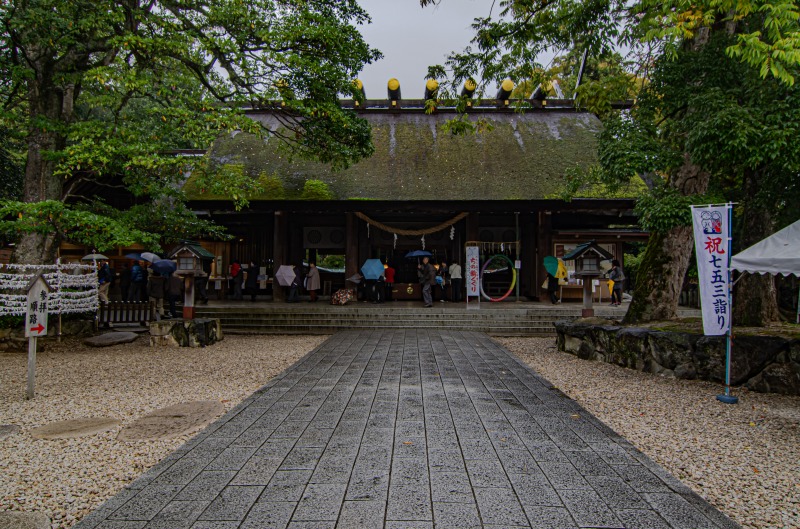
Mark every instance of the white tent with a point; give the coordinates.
(777, 254)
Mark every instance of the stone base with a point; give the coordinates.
(768, 364)
(198, 332)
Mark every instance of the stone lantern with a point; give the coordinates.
(587, 257)
(189, 257)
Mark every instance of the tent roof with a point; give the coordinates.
(777, 254)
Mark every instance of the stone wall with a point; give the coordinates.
(14, 341)
(198, 332)
(768, 364)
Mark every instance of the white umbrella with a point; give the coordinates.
(150, 256)
(94, 257)
(285, 275)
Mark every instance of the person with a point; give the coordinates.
(428, 280)
(174, 292)
(377, 292)
(296, 282)
(237, 272)
(312, 281)
(455, 282)
(156, 291)
(104, 278)
(388, 276)
(125, 281)
(138, 282)
(618, 277)
(251, 283)
(552, 288)
(200, 282)
(444, 273)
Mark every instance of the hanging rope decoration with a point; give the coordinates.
(452, 232)
(411, 233)
(394, 246)
(423, 242)
(73, 287)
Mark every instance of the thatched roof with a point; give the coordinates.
(524, 156)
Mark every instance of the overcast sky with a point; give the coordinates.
(412, 38)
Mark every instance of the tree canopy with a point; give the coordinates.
(105, 91)
(715, 115)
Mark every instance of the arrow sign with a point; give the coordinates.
(36, 315)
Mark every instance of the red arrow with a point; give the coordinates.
(39, 328)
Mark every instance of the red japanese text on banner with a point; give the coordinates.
(711, 233)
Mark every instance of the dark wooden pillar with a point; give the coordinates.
(351, 264)
(528, 285)
(544, 247)
(279, 253)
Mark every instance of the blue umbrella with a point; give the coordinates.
(134, 256)
(419, 253)
(372, 269)
(164, 267)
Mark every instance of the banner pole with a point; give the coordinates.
(727, 398)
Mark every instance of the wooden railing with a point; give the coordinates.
(140, 312)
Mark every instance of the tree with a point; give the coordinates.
(679, 125)
(106, 88)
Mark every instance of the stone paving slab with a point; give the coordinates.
(407, 429)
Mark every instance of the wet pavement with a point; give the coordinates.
(407, 429)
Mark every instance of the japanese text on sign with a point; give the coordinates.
(711, 235)
(473, 271)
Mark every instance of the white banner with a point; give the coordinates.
(473, 272)
(712, 248)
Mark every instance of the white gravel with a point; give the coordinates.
(744, 458)
(66, 479)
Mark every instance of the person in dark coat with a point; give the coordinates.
(138, 282)
(156, 291)
(618, 277)
(295, 286)
(251, 283)
(552, 288)
(428, 281)
(175, 291)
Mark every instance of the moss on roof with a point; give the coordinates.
(524, 156)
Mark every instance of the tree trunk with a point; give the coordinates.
(660, 276)
(50, 109)
(755, 300)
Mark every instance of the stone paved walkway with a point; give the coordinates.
(407, 429)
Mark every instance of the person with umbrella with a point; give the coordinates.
(428, 280)
(104, 279)
(138, 282)
(296, 282)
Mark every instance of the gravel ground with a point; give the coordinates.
(66, 479)
(744, 459)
